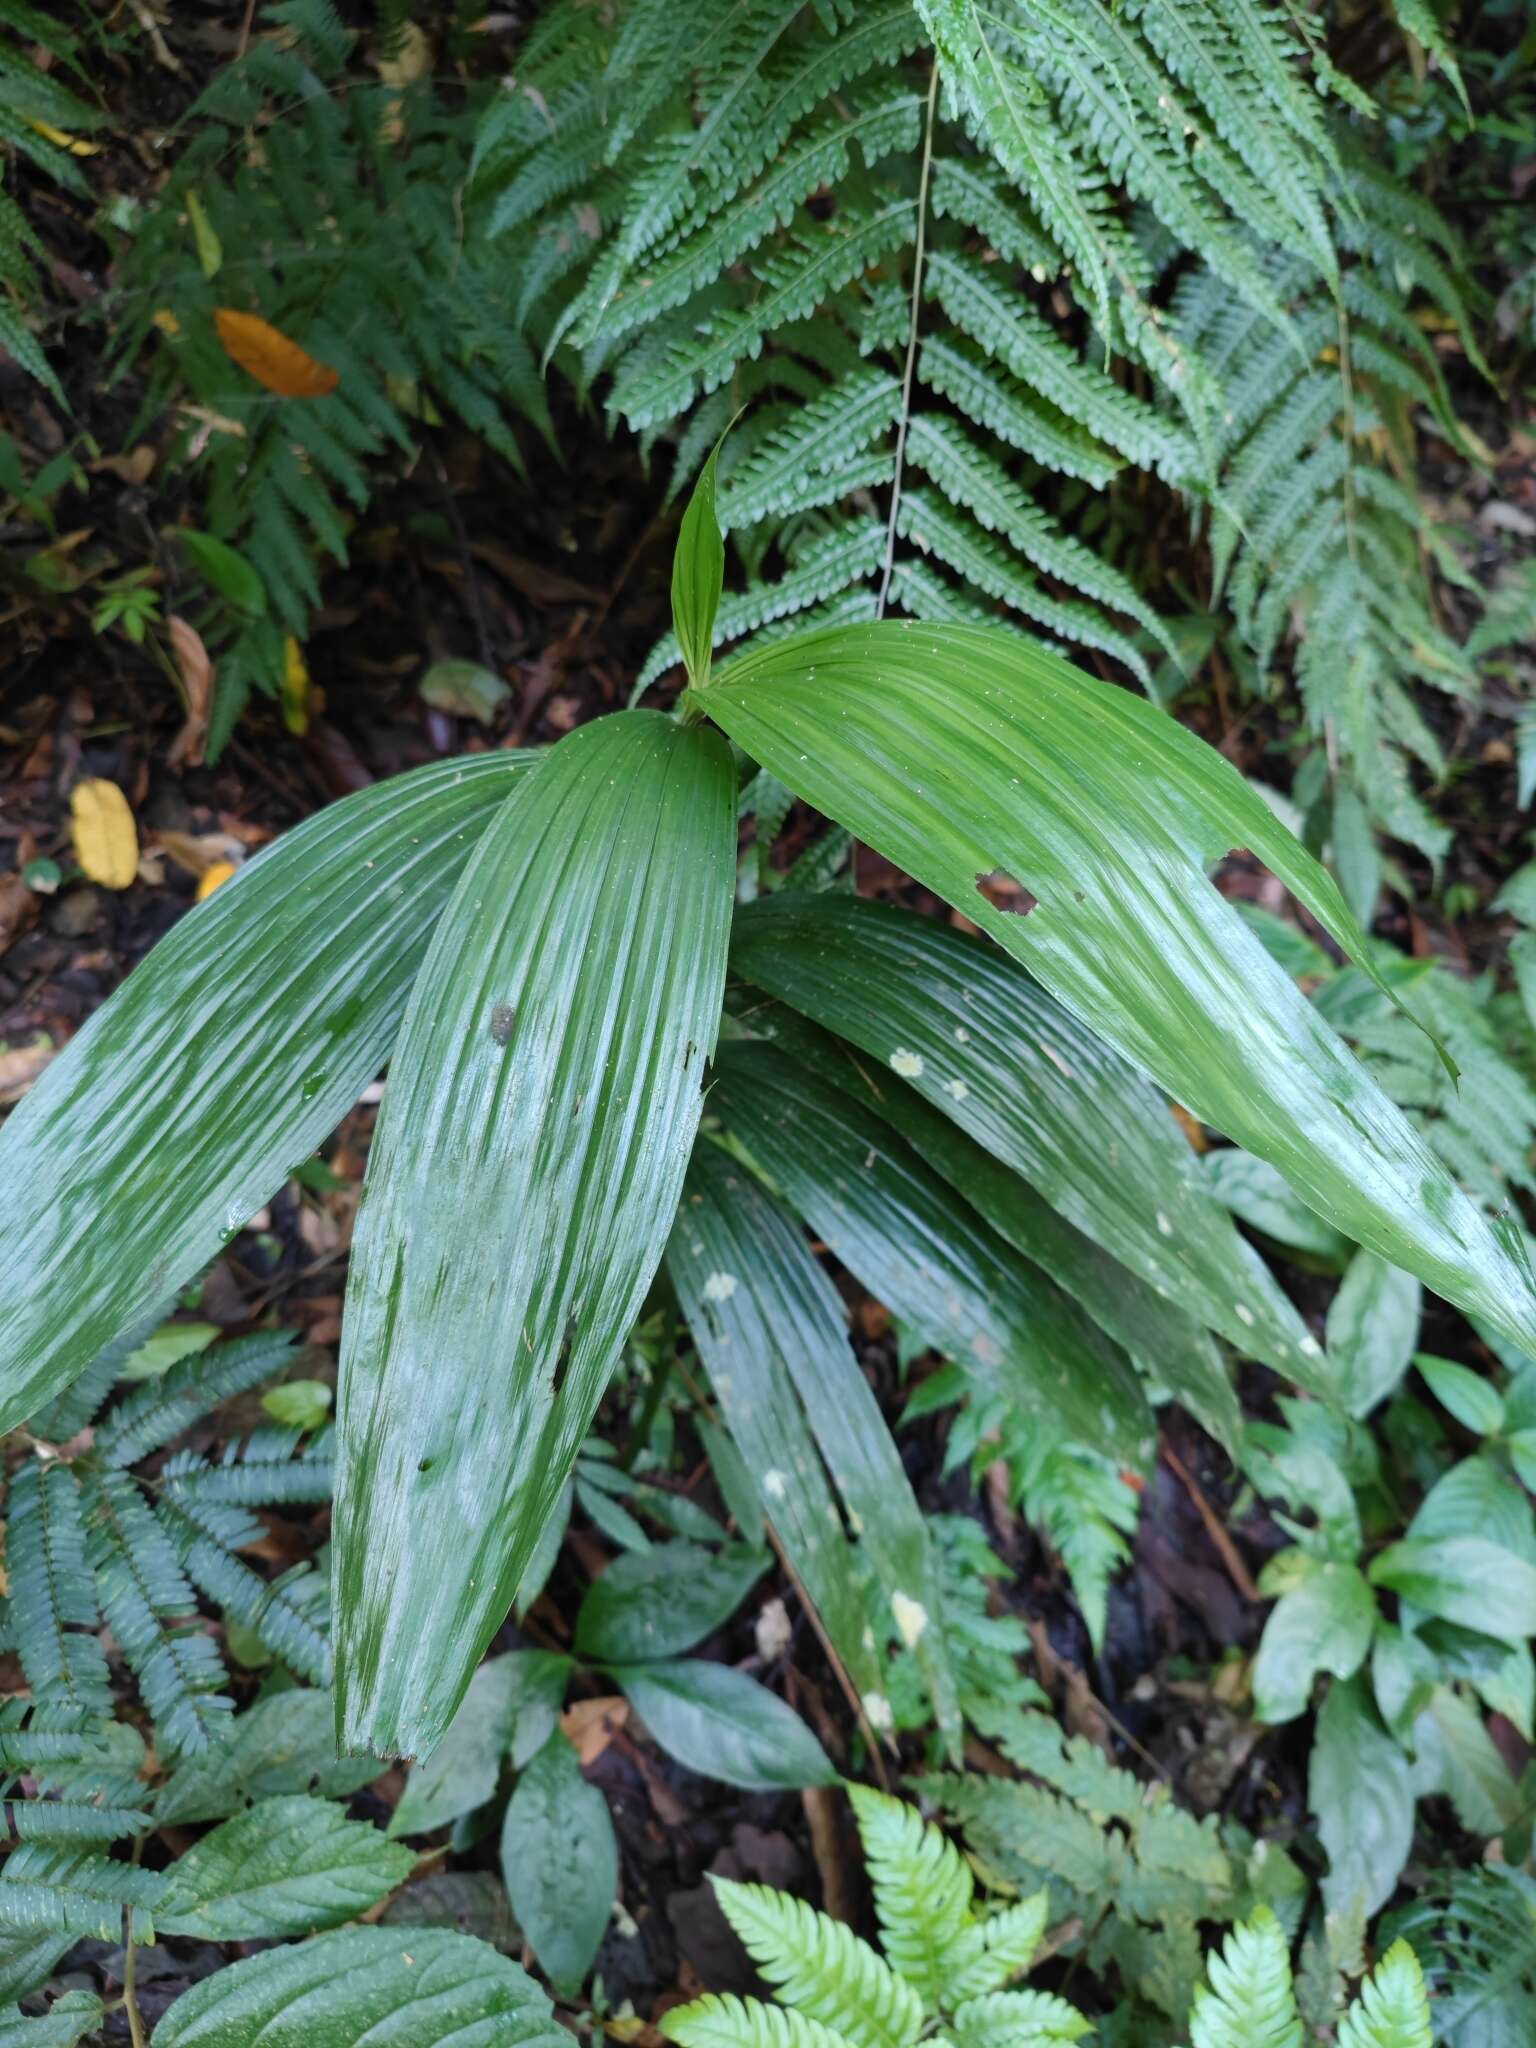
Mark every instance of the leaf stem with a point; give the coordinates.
(136, 2033)
(906, 380)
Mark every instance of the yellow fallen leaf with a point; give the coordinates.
(61, 140)
(214, 877)
(295, 689)
(268, 355)
(106, 838)
(167, 322)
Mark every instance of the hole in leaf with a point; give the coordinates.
(1004, 893)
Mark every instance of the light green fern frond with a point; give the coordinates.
(724, 2021)
(922, 1889)
(1005, 1947)
(1392, 2010)
(821, 1967)
(1018, 2019)
(1248, 2000)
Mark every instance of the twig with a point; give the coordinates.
(906, 380)
(1226, 1549)
(136, 2032)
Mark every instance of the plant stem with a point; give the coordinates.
(906, 380)
(660, 1374)
(136, 2033)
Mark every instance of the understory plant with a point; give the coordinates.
(544, 941)
(946, 1972)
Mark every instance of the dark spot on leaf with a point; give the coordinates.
(1004, 893)
(503, 1022)
(424, 1465)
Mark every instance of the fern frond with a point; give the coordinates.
(1000, 324)
(1392, 2010)
(1248, 2001)
(1008, 1941)
(725, 2021)
(151, 1609)
(56, 1890)
(1018, 2019)
(162, 1409)
(814, 450)
(922, 1889)
(53, 1597)
(821, 1967)
(820, 259)
(287, 1613)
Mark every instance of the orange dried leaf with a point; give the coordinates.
(270, 357)
(214, 878)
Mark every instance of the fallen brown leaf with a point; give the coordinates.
(196, 667)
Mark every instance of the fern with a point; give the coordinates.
(1249, 2001)
(91, 1542)
(765, 196)
(1111, 239)
(41, 117)
(381, 283)
(942, 1962)
(822, 1968)
(1393, 2008)
(1074, 1495)
(922, 1890)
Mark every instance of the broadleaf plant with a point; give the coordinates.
(548, 1087)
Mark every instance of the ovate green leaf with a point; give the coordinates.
(416, 1985)
(654, 1603)
(725, 1725)
(287, 1866)
(560, 1862)
(1362, 1797)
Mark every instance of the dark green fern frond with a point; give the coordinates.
(53, 1611)
(151, 1609)
(159, 1410)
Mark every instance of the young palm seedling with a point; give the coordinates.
(539, 946)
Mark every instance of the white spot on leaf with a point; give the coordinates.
(911, 1617)
(908, 1064)
(719, 1286)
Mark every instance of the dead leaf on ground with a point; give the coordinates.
(196, 668)
(592, 1724)
(106, 838)
(20, 1066)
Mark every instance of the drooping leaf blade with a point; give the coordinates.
(934, 1263)
(962, 1023)
(561, 1862)
(542, 1103)
(221, 1063)
(963, 753)
(769, 1326)
(1160, 1338)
